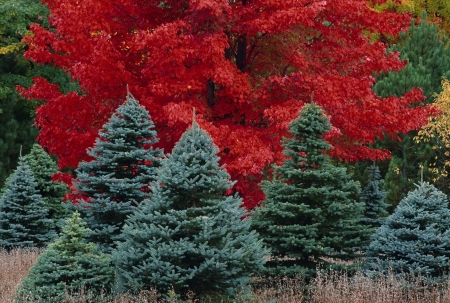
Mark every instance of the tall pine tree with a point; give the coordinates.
(189, 235)
(68, 266)
(118, 178)
(312, 212)
(415, 238)
(24, 218)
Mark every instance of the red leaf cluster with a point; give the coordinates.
(247, 66)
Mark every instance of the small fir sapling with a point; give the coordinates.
(69, 266)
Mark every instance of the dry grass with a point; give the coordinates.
(14, 265)
(331, 288)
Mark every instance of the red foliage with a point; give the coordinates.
(247, 66)
(73, 194)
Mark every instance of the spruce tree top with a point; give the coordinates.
(194, 168)
(415, 238)
(307, 133)
(125, 141)
(43, 168)
(72, 239)
(121, 152)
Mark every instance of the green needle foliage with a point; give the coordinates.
(311, 214)
(415, 239)
(426, 50)
(24, 220)
(43, 168)
(189, 235)
(118, 178)
(373, 197)
(70, 265)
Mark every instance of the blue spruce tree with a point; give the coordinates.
(24, 220)
(373, 197)
(312, 213)
(415, 238)
(69, 266)
(118, 178)
(189, 235)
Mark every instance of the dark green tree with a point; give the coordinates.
(69, 266)
(312, 212)
(118, 178)
(24, 218)
(374, 197)
(189, 235)
(43, 168)
(17, 114)
(415, 238)
(425, 48)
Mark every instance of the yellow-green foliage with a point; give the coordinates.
(437, 131)
(438, 11)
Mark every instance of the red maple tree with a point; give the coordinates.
(247, 66)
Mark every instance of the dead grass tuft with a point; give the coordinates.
(14, 266)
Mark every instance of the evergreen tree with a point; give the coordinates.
(118, 178)
(189, 234)
(415, 238)
(373, 197)
(70, 265)
(425, 48)
(43, 168)
(24, 218)
(16, 113)
(311, 212)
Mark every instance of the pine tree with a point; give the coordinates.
(24, 218)
(189, 235)
(70, 265)
(43, 168)
(311, 212)
(373, 197)
(415, 238)
(425, 48)
(118, 178)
